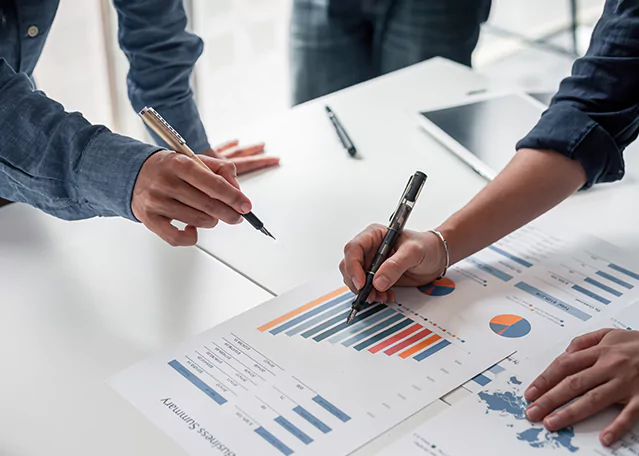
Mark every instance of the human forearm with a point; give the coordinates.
(534, 182)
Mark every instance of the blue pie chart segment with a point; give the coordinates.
(510, 326)
(440, 287)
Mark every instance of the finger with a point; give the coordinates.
(245, 151)
(224, 168)
(226, 146)
(171, 235)
(587, 340)
(194, 198)
(588, 405)
(563, 366)
(348, 281)
(355, 253)
(622, 424)
(176, 210)
(248, 164)
(568, 389)
(408, 255)
(212, 183)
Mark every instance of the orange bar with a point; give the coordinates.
(419, 346)
(299, 310)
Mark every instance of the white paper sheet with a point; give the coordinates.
(493, 421)
(288, 378)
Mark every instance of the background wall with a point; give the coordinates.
(243, 75)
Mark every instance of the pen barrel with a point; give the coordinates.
(253, 220)
(362, 296)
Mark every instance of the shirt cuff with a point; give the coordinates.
(108, 170)
(185, 119)
(567, 130)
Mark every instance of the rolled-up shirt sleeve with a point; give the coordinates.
(595, 114)
(57, 161)
(162, 55)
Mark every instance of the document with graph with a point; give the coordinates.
(493, 421)
(290, 377)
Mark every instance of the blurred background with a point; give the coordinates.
(243, 76)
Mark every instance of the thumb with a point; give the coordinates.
(406, 257)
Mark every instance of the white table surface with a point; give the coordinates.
(320, 198)
(81, 301)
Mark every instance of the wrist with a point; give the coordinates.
(443, 257)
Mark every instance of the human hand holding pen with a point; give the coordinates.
(172, 186)
(418, 259)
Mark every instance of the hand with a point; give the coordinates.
(172, 186)
(600, 369)
(245, 158)
(418, 259)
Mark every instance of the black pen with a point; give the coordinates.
(397, 222)
(168, 134)
(341, 132)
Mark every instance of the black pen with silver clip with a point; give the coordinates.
(168, 134)
(397, 222)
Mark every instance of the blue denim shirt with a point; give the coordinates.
(59, 162)
(595, 114)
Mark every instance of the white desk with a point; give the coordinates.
(82, 301)
(65, 326)
(320, 197)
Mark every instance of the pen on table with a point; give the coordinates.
(341, 132)
(397, 222)
(165, 131)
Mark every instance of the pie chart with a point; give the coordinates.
(440, 287)
(511, 326)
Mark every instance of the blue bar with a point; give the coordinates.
(432, 350)
(330, 408)
(482, 380)
(311, 313)
(379, 326)
(290, 427)
(496, 369)
(194, 379)
(308, 416)
(606, 288)
(327, 324)
(356, 327)
(624, 271)
(490, 270)
(270, 438)
(510, 256)
(343, 325)
(383, 335)
(612, 278)
(583, 316)
(313, 321)
(590, 294)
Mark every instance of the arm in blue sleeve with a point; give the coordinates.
(59, 162)
(594, 115)
(162, 55)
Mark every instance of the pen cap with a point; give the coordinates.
(415, 186)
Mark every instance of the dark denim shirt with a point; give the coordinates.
(595, 114)
(59, 162)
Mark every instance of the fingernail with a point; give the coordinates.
(245, 208)
(382, 283)
(531, 394)
(552, 422)
(533, 413)
(357, 284)
(607, 439)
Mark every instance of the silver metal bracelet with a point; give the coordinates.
(443, 239)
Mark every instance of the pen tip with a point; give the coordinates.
(351, 316)
(267, 233)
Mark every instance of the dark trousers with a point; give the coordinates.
(339, 43)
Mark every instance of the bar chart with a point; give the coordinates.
(377, 329)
